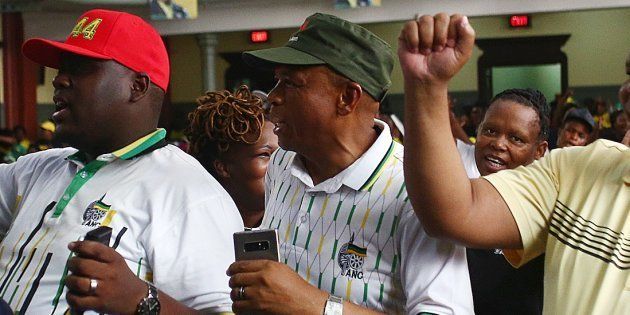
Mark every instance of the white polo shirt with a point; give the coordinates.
(171, 221)
(356, 235)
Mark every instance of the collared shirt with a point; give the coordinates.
(574, 205)
(355, 235)
(172, 222)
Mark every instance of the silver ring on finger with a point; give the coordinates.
(241, 293)
(93, 286)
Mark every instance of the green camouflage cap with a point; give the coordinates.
(347, 48)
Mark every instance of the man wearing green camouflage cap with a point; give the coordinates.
(349, 240)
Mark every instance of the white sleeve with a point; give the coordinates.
(467, 153)
(8, 195)
(434, 273)
(190, 258)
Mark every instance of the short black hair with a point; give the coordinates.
(530, 98)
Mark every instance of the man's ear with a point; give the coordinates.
(541, 149)
(221, 169)
(139, 86)
(349, 98)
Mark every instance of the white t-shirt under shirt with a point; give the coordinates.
(467, 153)
(171, 221)
(356, 235)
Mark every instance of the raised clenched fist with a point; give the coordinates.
(432, 49)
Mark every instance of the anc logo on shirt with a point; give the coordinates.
(95, 213)
(351, 258)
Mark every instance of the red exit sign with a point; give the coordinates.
(259, 36)
(518, 21)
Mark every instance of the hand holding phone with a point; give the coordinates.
(256, 244)
(101, 234)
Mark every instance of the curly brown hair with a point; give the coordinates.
(223, 118)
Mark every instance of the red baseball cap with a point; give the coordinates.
(110, 35)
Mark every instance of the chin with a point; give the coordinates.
(72, 139)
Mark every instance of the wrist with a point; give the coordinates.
(426, 87)
(149, 303)
(334, 305)
(425, 84)
(427, 99)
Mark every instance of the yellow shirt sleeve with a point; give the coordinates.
(530, 193)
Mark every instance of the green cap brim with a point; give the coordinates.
(268, 58)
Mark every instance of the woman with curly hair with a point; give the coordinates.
(233, 139)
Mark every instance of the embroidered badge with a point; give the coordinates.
(88, 31)
(95, 213)
(351, 258)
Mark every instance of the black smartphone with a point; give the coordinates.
(256, 244)
(101, 234)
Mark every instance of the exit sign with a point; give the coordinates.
(259, 36)
(519, 21)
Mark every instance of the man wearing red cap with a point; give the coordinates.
(171, 221)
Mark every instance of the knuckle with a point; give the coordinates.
(71, 282)
(72, 300)
(426, 19)
(253, 293)
(78, 246)
(232, 281)
(264, 281)
(262, 306)
(237, 307)
(72, 263)
(78, 267)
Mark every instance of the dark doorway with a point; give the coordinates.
(537, 60)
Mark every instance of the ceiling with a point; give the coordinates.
(82, 5)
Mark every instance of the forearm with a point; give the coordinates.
(438, 186)
(351, 308)
(316, 304)
(168, 305)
